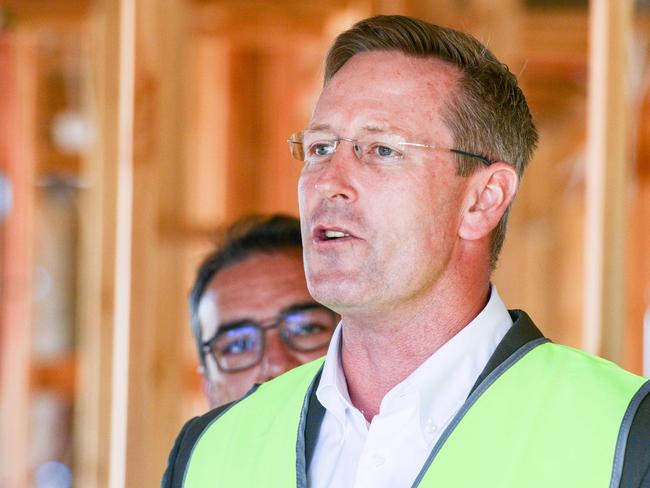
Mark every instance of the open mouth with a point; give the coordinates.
(324, 234)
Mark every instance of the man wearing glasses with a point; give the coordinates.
(412, 158)
(252, 317)
(251, 314)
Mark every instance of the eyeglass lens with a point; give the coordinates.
(242, 347)
(238, 348)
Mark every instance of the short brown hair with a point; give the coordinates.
(488, 115)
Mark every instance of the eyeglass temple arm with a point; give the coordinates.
(482, 159)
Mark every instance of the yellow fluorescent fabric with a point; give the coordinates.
(551, 420)
(254, 443)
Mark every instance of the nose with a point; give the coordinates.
(277, 357)
(336, 179)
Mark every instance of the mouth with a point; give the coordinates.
(324, 233)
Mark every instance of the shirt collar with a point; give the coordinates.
(332, 391)
(441, 384)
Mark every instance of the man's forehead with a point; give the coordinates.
(262, 282)
(374, 127)
(394, 67)
(385, 91)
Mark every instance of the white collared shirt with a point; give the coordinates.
(390, 451)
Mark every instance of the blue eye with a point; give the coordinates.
(379, 152)
(386, 151)
(321, 149)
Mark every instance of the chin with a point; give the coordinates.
(336, 294)
(220, 394)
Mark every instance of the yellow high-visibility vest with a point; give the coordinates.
(549, 416)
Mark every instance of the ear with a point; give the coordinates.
(489, 194)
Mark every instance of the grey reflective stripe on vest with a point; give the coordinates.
(485, 384)
(301, 464)
(624, 432)
(187, 465)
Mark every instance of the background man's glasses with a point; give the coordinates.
(315, 147)
(241, 345)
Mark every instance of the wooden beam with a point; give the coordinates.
(57, 375)
(284, 78)
(205, 166)
(638, 265)
(18, 56)
(263, 26)
(39, 12)
(158, 293)
(99, 307)
(606, 173)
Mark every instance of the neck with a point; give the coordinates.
(380, 350)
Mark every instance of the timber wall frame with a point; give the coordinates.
(147, 205)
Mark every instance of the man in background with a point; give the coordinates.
(252, 316)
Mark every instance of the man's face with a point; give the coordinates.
(257, 288)
(403, 218)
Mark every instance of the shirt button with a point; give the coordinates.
(430, 427)
(378, 460)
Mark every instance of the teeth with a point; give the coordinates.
(334, 234)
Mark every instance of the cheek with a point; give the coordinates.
(305, 357)
(403, 208)
(232, 386)
(421, 219)
(304, 185)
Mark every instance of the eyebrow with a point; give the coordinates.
(323, 127)
(299, 307)
(225, 327)
(383, 129)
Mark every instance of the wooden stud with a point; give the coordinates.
(606, 171)
(158, 294)
(95, 419)
(18, 56)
